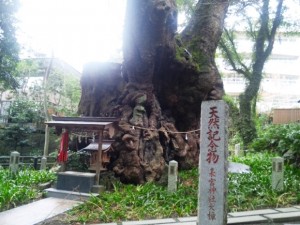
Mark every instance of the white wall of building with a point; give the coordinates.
(280, 87)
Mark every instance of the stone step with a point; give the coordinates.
(71, 195)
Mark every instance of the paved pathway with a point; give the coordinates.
(279, 216)
(41, 210)
(36, 212)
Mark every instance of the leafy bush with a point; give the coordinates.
(78, 161)
(15, 136)
(233, 124)
(280, 139)
(22, 110)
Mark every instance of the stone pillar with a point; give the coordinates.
(44, 163)
(172, 176)
(213, 164)
(277, 173)
(14, 161)
(238, 151)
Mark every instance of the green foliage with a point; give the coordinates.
(21, 188)
(15, 136)
(262, 122)
(63, 95)
(21, 112)
(9, 48)
(280, 139)
(24, 110)
(64, 92)
(253, 190)
(129, 202)
(24, 139)
(246, 192)
(186, 7)
(146, 201)
(78, 162)
(27, 68)
(233, 126)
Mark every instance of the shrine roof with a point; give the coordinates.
(85, 118)
(90, 123)
(94, 146)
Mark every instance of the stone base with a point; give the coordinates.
(75, 181)
(71, 195)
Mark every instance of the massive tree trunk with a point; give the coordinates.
(159, 106)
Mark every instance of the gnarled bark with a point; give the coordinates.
(101, 85)
(164, 90)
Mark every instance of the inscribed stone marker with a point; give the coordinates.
(172, 176)
(44, 163)
(213, 165)
(238, 151)
(14, 161)
(277, 173)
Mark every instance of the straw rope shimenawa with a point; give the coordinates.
(151, 129)
(87, 133)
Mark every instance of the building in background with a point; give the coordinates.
(61, 72)
(280, 87)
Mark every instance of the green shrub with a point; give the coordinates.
(78, 161)
(281, 139)
(234, 136)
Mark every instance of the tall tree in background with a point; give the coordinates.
(165, 77)
(9, 48)
(262, 32)
(62, 89)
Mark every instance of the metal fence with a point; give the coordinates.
(28, 161)
(283, 116)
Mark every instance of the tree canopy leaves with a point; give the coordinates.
(9, 48)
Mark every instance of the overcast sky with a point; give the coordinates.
(76, 31)
(79, 31)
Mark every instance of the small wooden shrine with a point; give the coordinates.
(92, 148)
(91, 125)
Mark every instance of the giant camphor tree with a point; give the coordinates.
(158, 90)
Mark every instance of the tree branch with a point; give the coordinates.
(276, 23)
(232, 55)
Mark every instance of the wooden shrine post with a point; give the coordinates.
(99, 157)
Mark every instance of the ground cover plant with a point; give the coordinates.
(22, 187)
(253, 191)
(246, 192)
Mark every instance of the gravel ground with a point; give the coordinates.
(61, 219)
